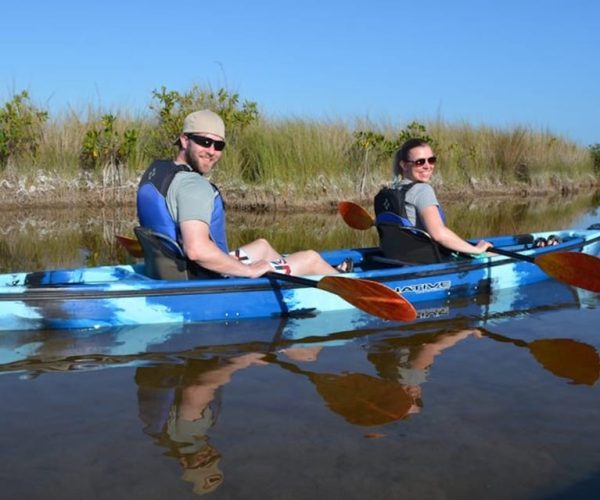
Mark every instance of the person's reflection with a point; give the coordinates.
(409, 360)
(402, 365)
(180, 403)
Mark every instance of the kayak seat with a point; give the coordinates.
(163, 257)
(408, 245)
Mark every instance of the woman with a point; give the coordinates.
(414, 164)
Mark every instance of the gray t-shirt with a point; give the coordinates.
(190, 197)
(418, 197)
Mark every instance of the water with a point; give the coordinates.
(475, 399)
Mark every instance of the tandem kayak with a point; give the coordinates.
(96, 297)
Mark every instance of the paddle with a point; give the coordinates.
(132, 245)
(574, 268)
(355, 216)
(369, 296)
(361, 399)
(565, 358)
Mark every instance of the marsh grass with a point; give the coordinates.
(492, 159)
(299, 162)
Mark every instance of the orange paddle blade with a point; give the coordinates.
(575, 268)
(132, 245)
(568, 358)
(355, 216)
(362, 399)
(370, 296)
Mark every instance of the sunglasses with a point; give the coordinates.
(206, 142)
(421, 161)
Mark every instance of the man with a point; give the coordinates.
(176, 199)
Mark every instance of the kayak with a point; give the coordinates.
(108, 296)
(39, 351)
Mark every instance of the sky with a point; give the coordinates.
(504, 63)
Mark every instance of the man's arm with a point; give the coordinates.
(198, 247)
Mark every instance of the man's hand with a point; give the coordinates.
(258, 268)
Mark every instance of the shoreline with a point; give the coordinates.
(257, 199)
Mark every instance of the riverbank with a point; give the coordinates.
(46, 189)
(96, 159)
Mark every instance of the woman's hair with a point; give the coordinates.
(402, 153)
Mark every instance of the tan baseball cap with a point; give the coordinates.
(204, 121)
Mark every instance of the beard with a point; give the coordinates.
(196, 163)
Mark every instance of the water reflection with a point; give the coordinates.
(566, 358)
(402, 364)
(368, 375)
(179, 403)
(39, 239)
(181, 371)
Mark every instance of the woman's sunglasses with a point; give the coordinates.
(206, 142)
(421, 161)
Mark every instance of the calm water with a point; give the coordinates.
(495, 397)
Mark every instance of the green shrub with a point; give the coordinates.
(104, 145)
(21, 130)
(171, 107)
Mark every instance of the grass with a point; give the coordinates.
(298, 162)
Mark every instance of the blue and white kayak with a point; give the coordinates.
(39, 351)
(108, 296)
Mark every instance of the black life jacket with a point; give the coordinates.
(399, 238)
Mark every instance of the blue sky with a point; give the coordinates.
(499, 63)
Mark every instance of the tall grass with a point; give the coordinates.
(297, 161)
(494, 159)
(291, 157)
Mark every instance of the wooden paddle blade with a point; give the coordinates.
(370, 296)
(362, 399)
(132, 245)
(575, 268)
(568, 358)
(355, 216)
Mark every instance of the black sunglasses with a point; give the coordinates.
(206, 142)
(421, 161)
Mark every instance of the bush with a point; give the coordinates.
(171, 107)
(21, 130)
(103, 145)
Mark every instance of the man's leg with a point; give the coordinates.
(308, 262)
(260, 249)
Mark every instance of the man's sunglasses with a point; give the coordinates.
(421, 161)
(206, 142)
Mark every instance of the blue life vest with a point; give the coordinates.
(152, 206)
(390, 206)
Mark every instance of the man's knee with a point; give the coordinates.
(263, 244)
(311, 256)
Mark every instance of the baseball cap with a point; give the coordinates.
(204, 121)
